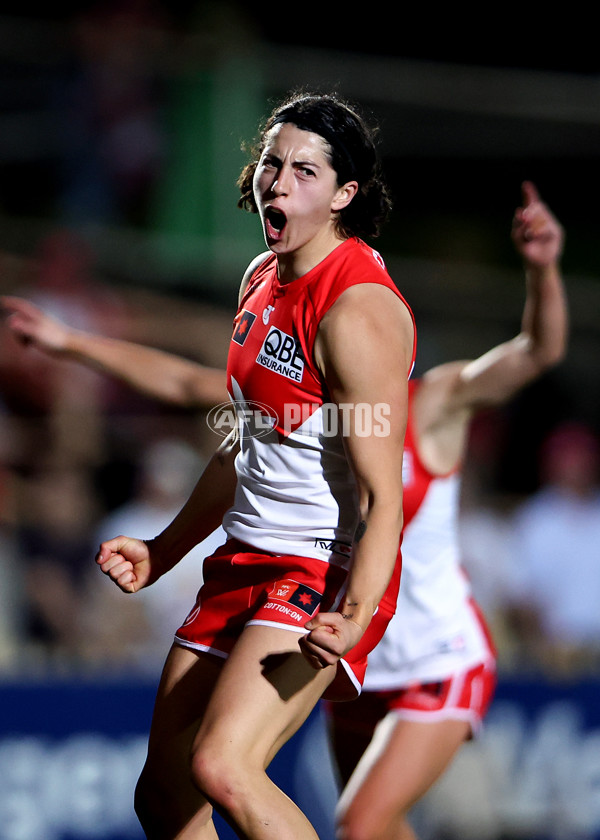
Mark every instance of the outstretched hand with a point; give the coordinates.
(128, 562)
(536, 233)
(330, 637)
(32, 326)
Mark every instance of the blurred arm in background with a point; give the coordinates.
(155, 373)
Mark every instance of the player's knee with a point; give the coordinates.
(350, 831)
(217, 775)
(349, 828)
(358, 824)
(367, 826)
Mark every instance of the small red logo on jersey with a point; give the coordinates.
(297, 594)
(243, 327)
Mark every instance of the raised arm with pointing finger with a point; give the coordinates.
(450, 393)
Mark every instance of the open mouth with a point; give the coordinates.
(275, 221)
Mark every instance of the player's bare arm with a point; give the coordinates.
(156, 373)
(134, 564)
(450, 393)
(367, 364)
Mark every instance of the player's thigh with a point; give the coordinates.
(264, 693)
(402, 762)
(350, 727)
(166, 798)
(425, 749)
(183, 694)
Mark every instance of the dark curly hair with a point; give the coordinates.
(352, 154)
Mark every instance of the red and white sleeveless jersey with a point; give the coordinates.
(295, 493)
(437, 628)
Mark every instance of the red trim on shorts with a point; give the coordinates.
(465, 695)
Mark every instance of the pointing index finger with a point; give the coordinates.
(529, 193)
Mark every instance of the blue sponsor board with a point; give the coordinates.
(71, 751)
(540, 753)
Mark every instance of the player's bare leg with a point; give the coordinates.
(265, 692)
(402, 762)
(231, 717)
(166, 800)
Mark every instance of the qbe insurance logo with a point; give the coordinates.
(252, 419)
(282, 354)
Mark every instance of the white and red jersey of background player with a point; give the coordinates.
(295, 494)
(438, 628)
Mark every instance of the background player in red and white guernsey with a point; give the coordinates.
(254, 656)
(431, 679)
